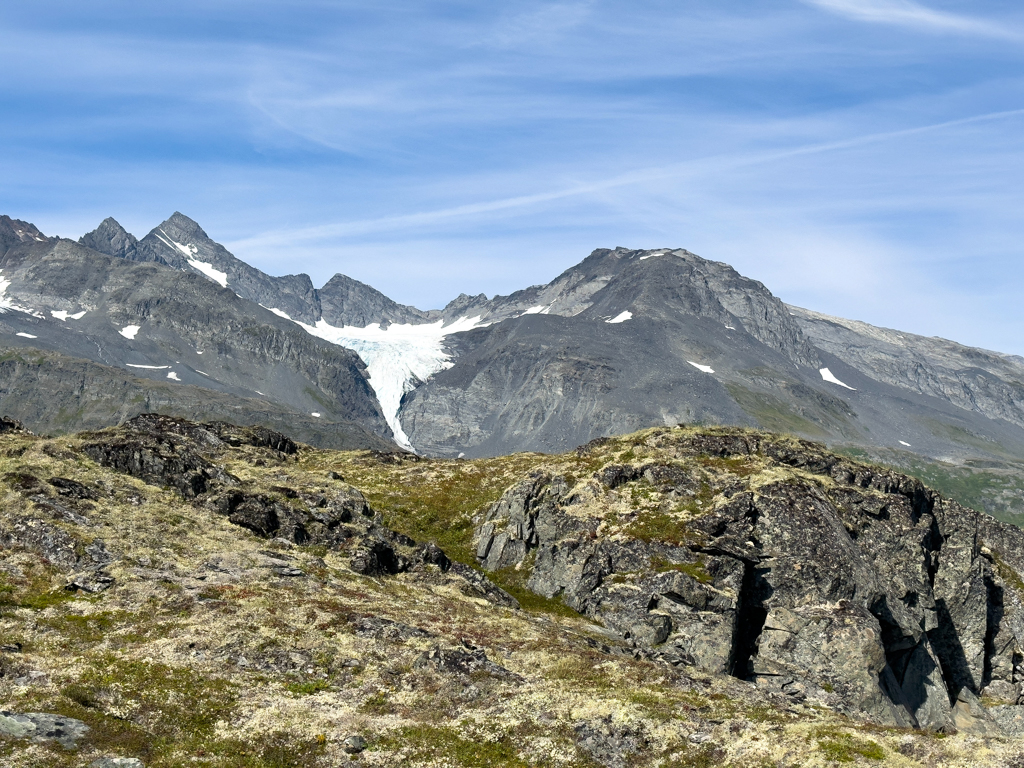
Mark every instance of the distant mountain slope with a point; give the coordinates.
(153, 322)
(56, 394)
(630, 338)
(973, 379)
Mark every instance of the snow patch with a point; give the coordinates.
(317, 415)
(826, 374)
(538, 310)
(6, 304)
(705, 368)
(26, 335)
(729, 327)
(277, 312)
(173, 376)
(150, 367)
(903, 443)
(621, 317)
(188, 250)
(129, 331)
(649, 255)
(397, 358)
(203, 372)
(62, 314)
(208, 269)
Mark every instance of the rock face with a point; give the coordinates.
(860, 589)
(113, 240)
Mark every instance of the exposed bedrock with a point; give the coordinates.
(792, 568)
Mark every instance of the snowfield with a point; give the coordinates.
(826, 374)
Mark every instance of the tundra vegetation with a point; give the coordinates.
(215, 596)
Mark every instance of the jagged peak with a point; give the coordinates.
(182, 227)
(112, 239)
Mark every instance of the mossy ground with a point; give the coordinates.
(200, 654)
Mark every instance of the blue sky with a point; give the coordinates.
(863, 158)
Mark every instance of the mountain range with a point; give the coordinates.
(99, 330)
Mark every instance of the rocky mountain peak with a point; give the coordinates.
(183, 229)
(111, 239)
(345, 301)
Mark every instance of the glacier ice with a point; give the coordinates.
(397, 357)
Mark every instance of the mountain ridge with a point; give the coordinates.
(623, 340)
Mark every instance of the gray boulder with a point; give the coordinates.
(39, 726)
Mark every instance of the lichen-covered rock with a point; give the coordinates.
(782, 564)
(53, 543)
(40, 726)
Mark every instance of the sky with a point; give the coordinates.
(862, 158)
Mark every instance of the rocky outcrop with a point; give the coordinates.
(179, 454)
(43, 727)
(784, 565)
(162, 451)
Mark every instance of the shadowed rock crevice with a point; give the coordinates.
(994, 622)
(750, 621)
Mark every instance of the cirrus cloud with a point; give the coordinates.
(907, 13)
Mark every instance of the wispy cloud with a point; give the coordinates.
(907, 13)
(686, 169)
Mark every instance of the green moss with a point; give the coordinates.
(696, 570)
(307, 689)
(670, 528)
(376, 704)
(434, 745)
(514, 582)
(843, 747)
(34, 594)
(1009, 575)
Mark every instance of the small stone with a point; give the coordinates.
(117, 762)
(354, 744)
(335, 476)
(699, 738)
(39, 726)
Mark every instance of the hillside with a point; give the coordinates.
(216, 595)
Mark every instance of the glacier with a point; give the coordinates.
(397, 357)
